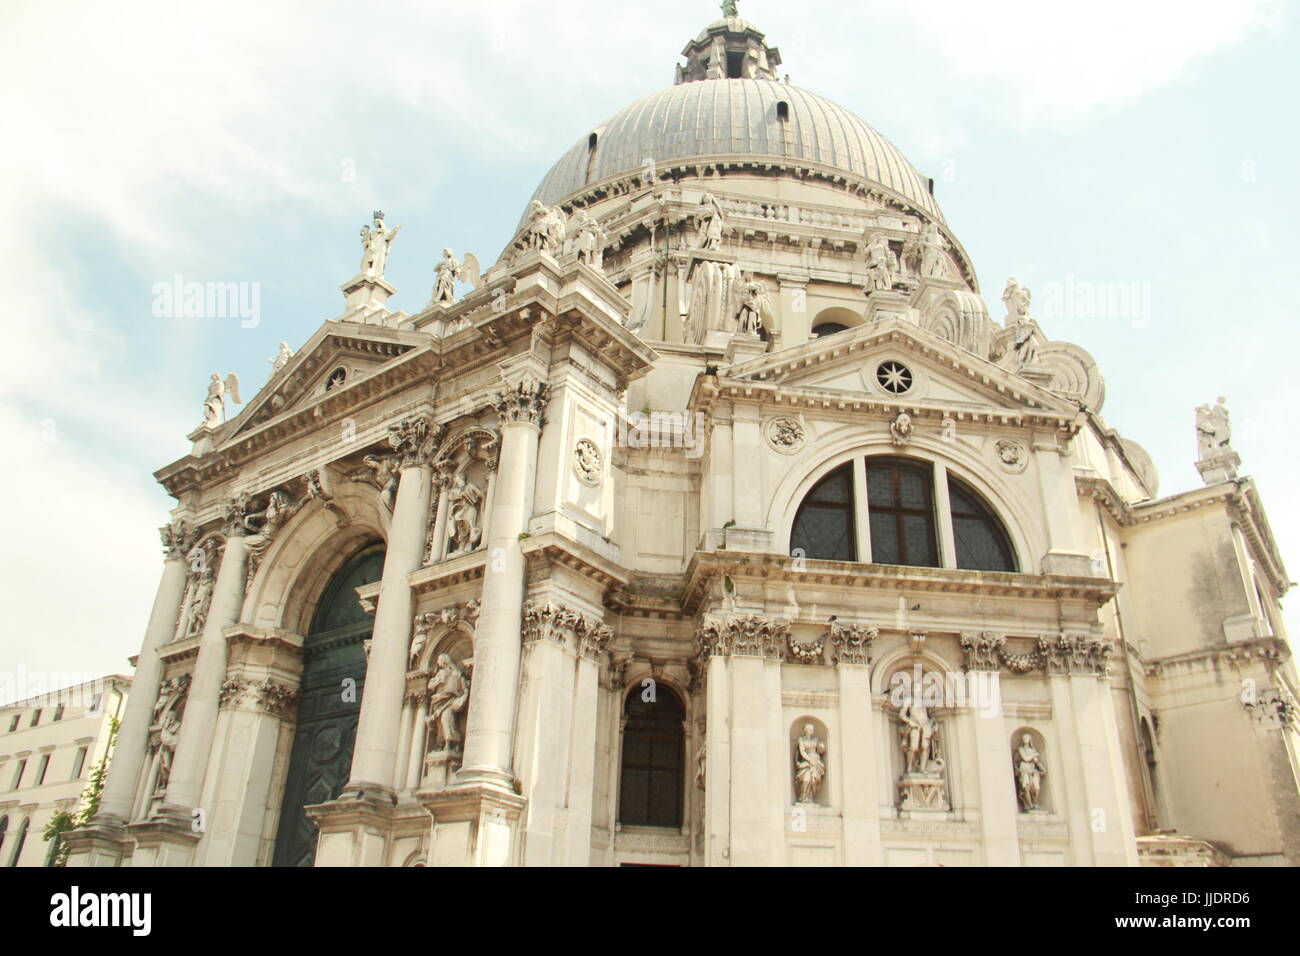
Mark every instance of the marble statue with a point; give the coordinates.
(546, 229)
(1213, 430)
(214, 406)
(710, 223)
(266, 523)
(934, 251)
(1016, 298)
(729, 8)
(589, 239)
(168, 734)
(447, 271)
(448, 695)
(384, 475)
(916, 735)
(464, 498)
(809, 767)
(701, 765)
(375, 244)
(1024, 342)
(282, 358)
(1029, 772)
(882, 265)
(200, 602)
(754, 301)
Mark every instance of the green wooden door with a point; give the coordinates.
(333, 675)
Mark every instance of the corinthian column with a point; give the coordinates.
(194, 743)
(132, 738)
(490, 727)
(374, 758)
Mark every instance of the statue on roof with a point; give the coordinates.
(375, 244)
(214, 406)
(1213, 430)
(729, 8)
(282, 358)
(882, 264)
(1016, 298)
(588, 239)
(709, 223)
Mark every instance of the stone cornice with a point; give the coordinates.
(552, 548)
(1266, 650)
(705, 567)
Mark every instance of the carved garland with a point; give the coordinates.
(1065, 654)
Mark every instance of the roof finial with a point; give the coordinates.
(729, 8)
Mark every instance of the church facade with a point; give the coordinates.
(718, 522)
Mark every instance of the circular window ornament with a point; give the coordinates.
(337, 378)
(894, 377)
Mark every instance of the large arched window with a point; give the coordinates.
(654, 743)
(823, 528)
(909, 520)
(982, 542)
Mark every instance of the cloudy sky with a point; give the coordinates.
(1151, 146)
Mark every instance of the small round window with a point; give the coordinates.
(337, 377)
(894, 377)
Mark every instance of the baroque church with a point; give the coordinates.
(718, 522)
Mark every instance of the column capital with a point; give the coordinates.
(743, 636)
(523, 401)
(177, 538)
(416, 440)
(852, 642)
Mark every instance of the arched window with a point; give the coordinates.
(982, 543)
(900, 505)
(654, 745)
(905, 519)
(823, 528)
(828, 328)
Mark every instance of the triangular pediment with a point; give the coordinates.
(348, 352)
(935, 372)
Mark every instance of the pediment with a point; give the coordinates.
(939, 373)
(345, 350)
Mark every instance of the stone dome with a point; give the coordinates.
(727, 119)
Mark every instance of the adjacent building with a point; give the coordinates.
(49, 745)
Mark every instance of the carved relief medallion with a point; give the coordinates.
(784, 434)
(588, 462)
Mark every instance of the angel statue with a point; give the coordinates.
(1213, 430)
(754, 301)
(375, 244)
(448, 694)
(448, 272)
(809, 767)
(214, 406)
(282, 358)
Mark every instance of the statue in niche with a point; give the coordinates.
(589, 240)
(375, 244)
(809, 767)
(201, 602)
(710, 223)
(168, 734)
(882, 265)
(917, 736)
(701, 764)
(1213, 430)
(754, 301)
(448, 695)
(214, 406)
(1029, 772)
(464, 498)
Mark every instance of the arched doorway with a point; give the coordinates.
(333, 654)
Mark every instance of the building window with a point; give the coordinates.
(827, 328)
(18, 843)
(982, 543)
(823, 527)
(654, 745)
(782, 110)
(43, 766)
(4, 828)
(79, 764)
(36, 717)
(18, 774)
(894, 377)
(337, 378)
(903, 518)
(900, 508)
(58, 712)
(13, 724)
(94, 703)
